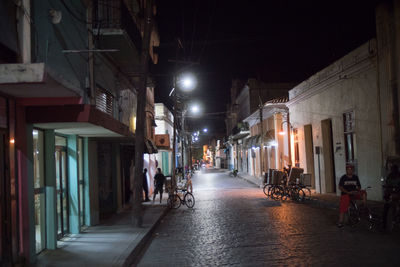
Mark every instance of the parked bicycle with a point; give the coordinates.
(175, 200)
(233, 173)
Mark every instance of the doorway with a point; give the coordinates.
(39, 190)
(5, 200)
(329, 164)
(308, 140)
(81, 184)
(62, 186)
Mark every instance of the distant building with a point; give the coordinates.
(164, 137)
(246, 99)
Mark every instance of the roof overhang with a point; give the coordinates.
(34, 80)
(82, 120)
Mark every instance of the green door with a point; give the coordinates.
(165, 163)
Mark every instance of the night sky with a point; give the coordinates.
(276, 41)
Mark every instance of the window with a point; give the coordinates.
(104, 101)
(349, 136)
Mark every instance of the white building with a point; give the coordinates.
(164, 137)
(335, 115)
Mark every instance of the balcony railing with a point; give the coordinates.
(114, 14)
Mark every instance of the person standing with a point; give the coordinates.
(159, 180)
(145, 187)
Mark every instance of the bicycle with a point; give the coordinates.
(233, 173)
(175, 201)
(294, 192)
(354, 214)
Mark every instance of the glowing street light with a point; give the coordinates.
(205, 130)
(187, 82)
(195, 109)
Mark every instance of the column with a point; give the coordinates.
(51, 194)
(86, 181)
(72, 154)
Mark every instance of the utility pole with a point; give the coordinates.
(261, 107)
(137, 210)
(173, 180)
(262, 141)
(183, 140)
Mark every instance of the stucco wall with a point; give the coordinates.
(353, 88)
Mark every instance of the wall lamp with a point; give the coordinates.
(281, 131)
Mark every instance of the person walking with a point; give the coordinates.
(145, 187)
(159, 180)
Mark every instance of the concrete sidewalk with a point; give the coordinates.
(115, 242)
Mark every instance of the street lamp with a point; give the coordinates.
(183, 82)
(205, 130)
(283, 132)
(195, 109)
(186, 82)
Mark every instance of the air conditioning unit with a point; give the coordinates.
(162, 140)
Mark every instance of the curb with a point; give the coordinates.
(132, 258)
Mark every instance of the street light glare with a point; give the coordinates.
(205, 130)
(195, 109)
(187, 82)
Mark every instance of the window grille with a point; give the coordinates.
(349, 136)
(104, 101)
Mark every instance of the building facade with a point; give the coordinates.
(348, 112)
(164, 137)
(67, 118)
(246, 99)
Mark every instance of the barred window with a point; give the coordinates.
(104, 101)
(349, 135)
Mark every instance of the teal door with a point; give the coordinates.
(165, 163)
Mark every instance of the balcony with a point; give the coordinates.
(115, 28)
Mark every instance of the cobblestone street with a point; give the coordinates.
(233, 224)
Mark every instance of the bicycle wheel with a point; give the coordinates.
(353, 214)
(300, 195)
(285, 193)
(307, 193)
(189, 200)
(266, 190)
(276, 192)
(174, 201)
